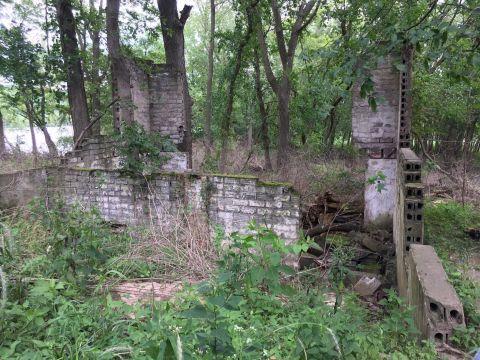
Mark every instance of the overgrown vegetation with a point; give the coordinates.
(142, 152)
(57, 263)
(445, 225)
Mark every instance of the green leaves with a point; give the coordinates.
(142, 152)
(378, 180)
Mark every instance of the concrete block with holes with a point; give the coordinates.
(438, 309)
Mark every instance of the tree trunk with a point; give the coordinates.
(123, 110)
(3, 148)
(94, 33)
(42, 124)
(263, 112)
(231, 89)
(283, 96)
(75, 84)
(286, 50)
(174, 44)
(209, 103)
(52, 148)
(32, 131)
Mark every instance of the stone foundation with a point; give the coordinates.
(229, 201)
(100, 153)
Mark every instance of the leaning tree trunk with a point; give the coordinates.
(77, 98)
(123, 109)
(52, 148)
(211, 49)
(42, 124)
(174, 44)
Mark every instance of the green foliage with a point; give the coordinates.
(444, 229)
(245, 311)
(378, 180)
(142, 152)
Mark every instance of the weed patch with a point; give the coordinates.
(445, 225)
(247, 309)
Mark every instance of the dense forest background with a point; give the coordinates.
(275, 76)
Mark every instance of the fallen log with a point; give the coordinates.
(321, 229)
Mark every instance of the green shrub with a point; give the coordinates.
(141, 151)
(444, 229)
(247, 310)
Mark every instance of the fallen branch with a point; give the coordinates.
(320, 229)
(82, 134)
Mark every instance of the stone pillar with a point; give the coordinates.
(377, 133)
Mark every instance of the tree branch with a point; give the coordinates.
(279, 36)
(272, 80)
(432, 6)
(82, 134)
(185, 14)
(299, 25)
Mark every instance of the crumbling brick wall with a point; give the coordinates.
(102, 153)
(229, 201)
(376, 131)
(158, 100)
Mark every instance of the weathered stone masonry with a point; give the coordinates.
(385, 134)
(101, 153)
(377, 132)
(229, 201)
(158, 100)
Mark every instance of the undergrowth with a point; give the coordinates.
(445, 225)
(248, 309)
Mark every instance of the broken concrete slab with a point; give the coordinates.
(367, 285)
(438, 308)
(368, 241)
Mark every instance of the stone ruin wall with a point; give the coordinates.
(158, 100)
(157, 95)
(421, 278)
(385, 136)
(101, 153)
(229, 201)
(376, 132)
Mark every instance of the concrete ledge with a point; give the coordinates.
(438, 309)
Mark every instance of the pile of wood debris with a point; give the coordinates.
(332, 224)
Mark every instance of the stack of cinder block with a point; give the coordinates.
(420, 275)
(405, 98)
(410, 171)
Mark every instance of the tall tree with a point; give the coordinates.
(20, 63)
(209, 103)
(233, 75)
(282, 85)
(94, 27)
(262, 111)
(123, 109)
(77, 98)
(3, 148)
(174, 43)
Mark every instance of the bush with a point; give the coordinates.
(247, 310)
(141, 151)
(444, 229)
